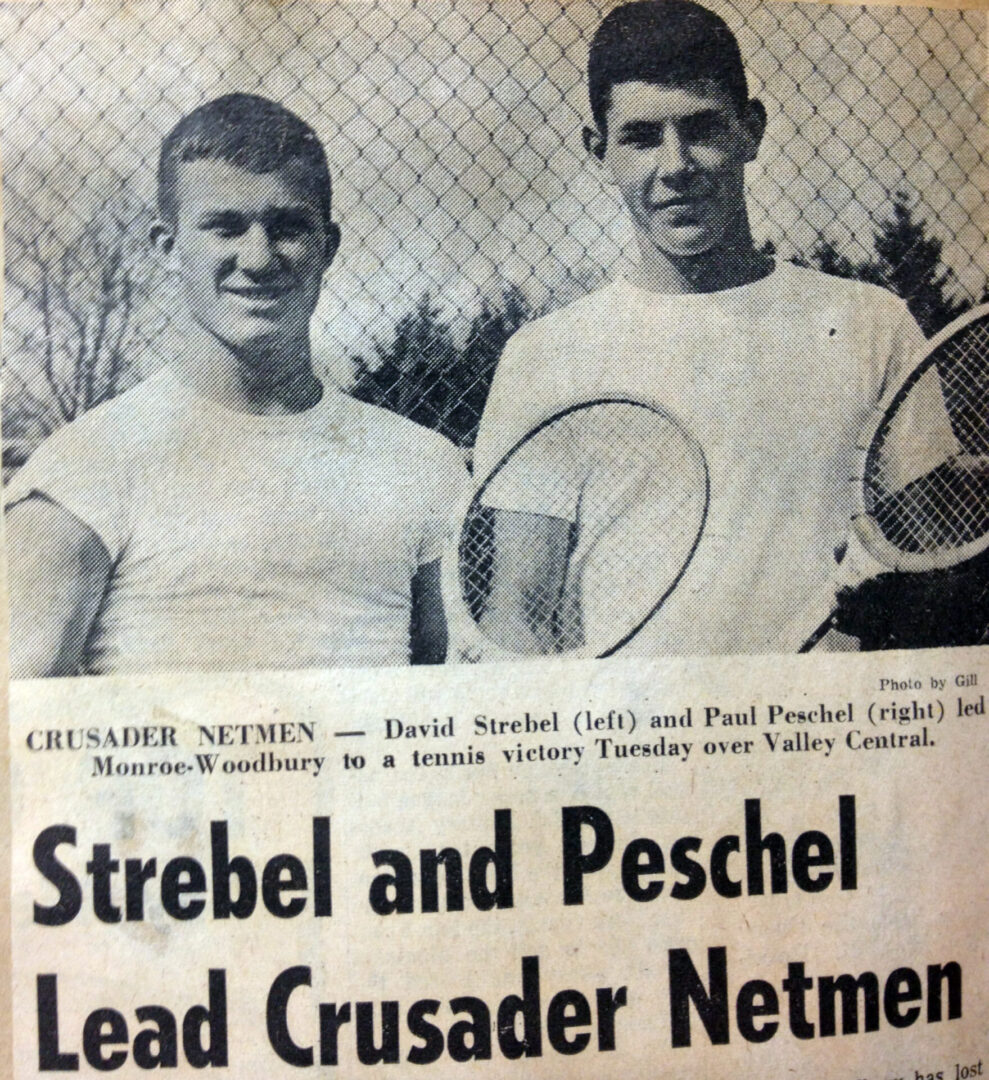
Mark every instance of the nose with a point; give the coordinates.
(255, 253)
(673, 156)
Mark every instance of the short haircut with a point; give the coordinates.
(245, 130)
(668, 42)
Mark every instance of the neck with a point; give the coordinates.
(264, 381)
(727, 267)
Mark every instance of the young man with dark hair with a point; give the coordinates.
(773, 368)
(232, 511)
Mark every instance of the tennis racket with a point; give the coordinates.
(921, 495)
(582, 530)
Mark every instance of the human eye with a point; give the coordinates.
(291, 225)
(641, 136)
(706, 127)
(223, 225)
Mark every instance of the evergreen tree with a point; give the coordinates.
(412, 375)
(911, 261)
(490, 328)
(423, 375)
(906, 259)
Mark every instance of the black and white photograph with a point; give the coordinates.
(496, 539)
(369, 334)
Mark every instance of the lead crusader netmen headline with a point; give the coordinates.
(530, 1020)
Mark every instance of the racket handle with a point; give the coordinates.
(819, 633)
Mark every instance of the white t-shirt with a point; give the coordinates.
(632, 485)
(241, 541)
(775, 380)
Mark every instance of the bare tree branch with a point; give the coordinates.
(48, 330)
(26, 398)
(117, 362)
(85, 294)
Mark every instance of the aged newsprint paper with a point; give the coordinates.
(496, 499)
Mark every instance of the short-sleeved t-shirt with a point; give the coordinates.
(631, 485)
(241, 541)
(775, 380)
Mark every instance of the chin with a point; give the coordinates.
(262, 334)
(689, 244)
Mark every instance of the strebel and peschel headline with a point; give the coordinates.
(751, 862)
(705, 1001)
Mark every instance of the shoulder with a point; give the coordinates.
(113, 430)
(545, 366)
(96, 466)
(408, 465)
(125, 415)
(408, 446)
(879, 320)
(551, 349)
(591, 314)
(817, 288)
(879, 334)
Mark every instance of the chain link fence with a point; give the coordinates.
(465, 197)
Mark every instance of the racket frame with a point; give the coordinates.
(699, 456)
(865, 525)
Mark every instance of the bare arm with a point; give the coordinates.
(427, 631)
(529, 567)
(59, 569)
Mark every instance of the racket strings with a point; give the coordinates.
(947, 506)
(628, 490)
(966, 387)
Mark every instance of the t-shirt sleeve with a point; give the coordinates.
(921, 437)
(901, 347)
(77, 469)
(445, 490)
(512, 408)
(545, 475)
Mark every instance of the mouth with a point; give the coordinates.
(259, 294)
(680, 204)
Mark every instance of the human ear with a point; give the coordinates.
(595, 142)
(332, 244)
(754, 122)
(162, 236)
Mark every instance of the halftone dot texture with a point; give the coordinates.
(944, 509)
(632, 486)
(453, 132)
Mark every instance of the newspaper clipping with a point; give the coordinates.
(496, 507)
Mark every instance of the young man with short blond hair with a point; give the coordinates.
(232, 511)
